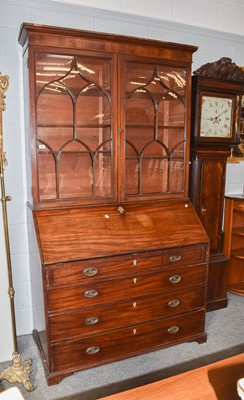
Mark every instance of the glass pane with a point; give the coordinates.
(96, 70)
(155, 149)
(154, 175)
(174, 79)
(155, 126)
(73, 82)
(93, 137)
(75, 171)
(46, 175)
(172, 138)
(55, 106)
(140, 109)
(131, 177)
(103, 174)
(54, 137)
(138, 75)
(50, 68)
(176, 149)
(131, 170)
(92, 107)
(138, 138)
(176, 176)
(73, 95)
(171, 112)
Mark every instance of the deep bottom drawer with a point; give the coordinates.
(127, 342)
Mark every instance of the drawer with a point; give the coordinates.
(103, 268)
(185, 255)
(94, 320)
(68, 297)
(127, 342)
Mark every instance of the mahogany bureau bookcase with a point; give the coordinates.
(124, 257)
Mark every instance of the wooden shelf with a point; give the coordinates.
(238, 231)
(237, 288)
(239, 253)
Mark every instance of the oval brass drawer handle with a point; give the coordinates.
(91, 293)
(175, 278)
(92, 349)
(175, 258)
(174, 303)
(173, 329)
(91, 320)
(90, 271)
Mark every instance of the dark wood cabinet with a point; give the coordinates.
(215, 130)
(124, 257)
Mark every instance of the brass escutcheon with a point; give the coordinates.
(90, 271)
(175, 278)
(91, 293)
(173, 329)
(173, 303)
(92, 349)
(175, 258)
(91, 320)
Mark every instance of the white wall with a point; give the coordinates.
(234, 183)
(215, 26)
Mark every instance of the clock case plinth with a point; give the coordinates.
(208, 157)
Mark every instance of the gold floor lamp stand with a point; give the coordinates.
(18, 371)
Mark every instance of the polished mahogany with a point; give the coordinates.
(124, 257)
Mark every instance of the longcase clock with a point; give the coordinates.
(217, 90)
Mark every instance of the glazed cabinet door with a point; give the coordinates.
(75, 130)
(153, 129)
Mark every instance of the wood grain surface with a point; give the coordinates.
(215, 381)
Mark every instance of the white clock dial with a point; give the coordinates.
(216, 117)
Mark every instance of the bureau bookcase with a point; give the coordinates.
(124, 257)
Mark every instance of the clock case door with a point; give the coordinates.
(207, 182)
(208, 158)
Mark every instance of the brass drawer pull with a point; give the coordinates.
(175, 278)
(174, 303)
(173, 330)
(175, 258)
(92, 349)
(91, 320)
(90, 271)
(91, 293)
